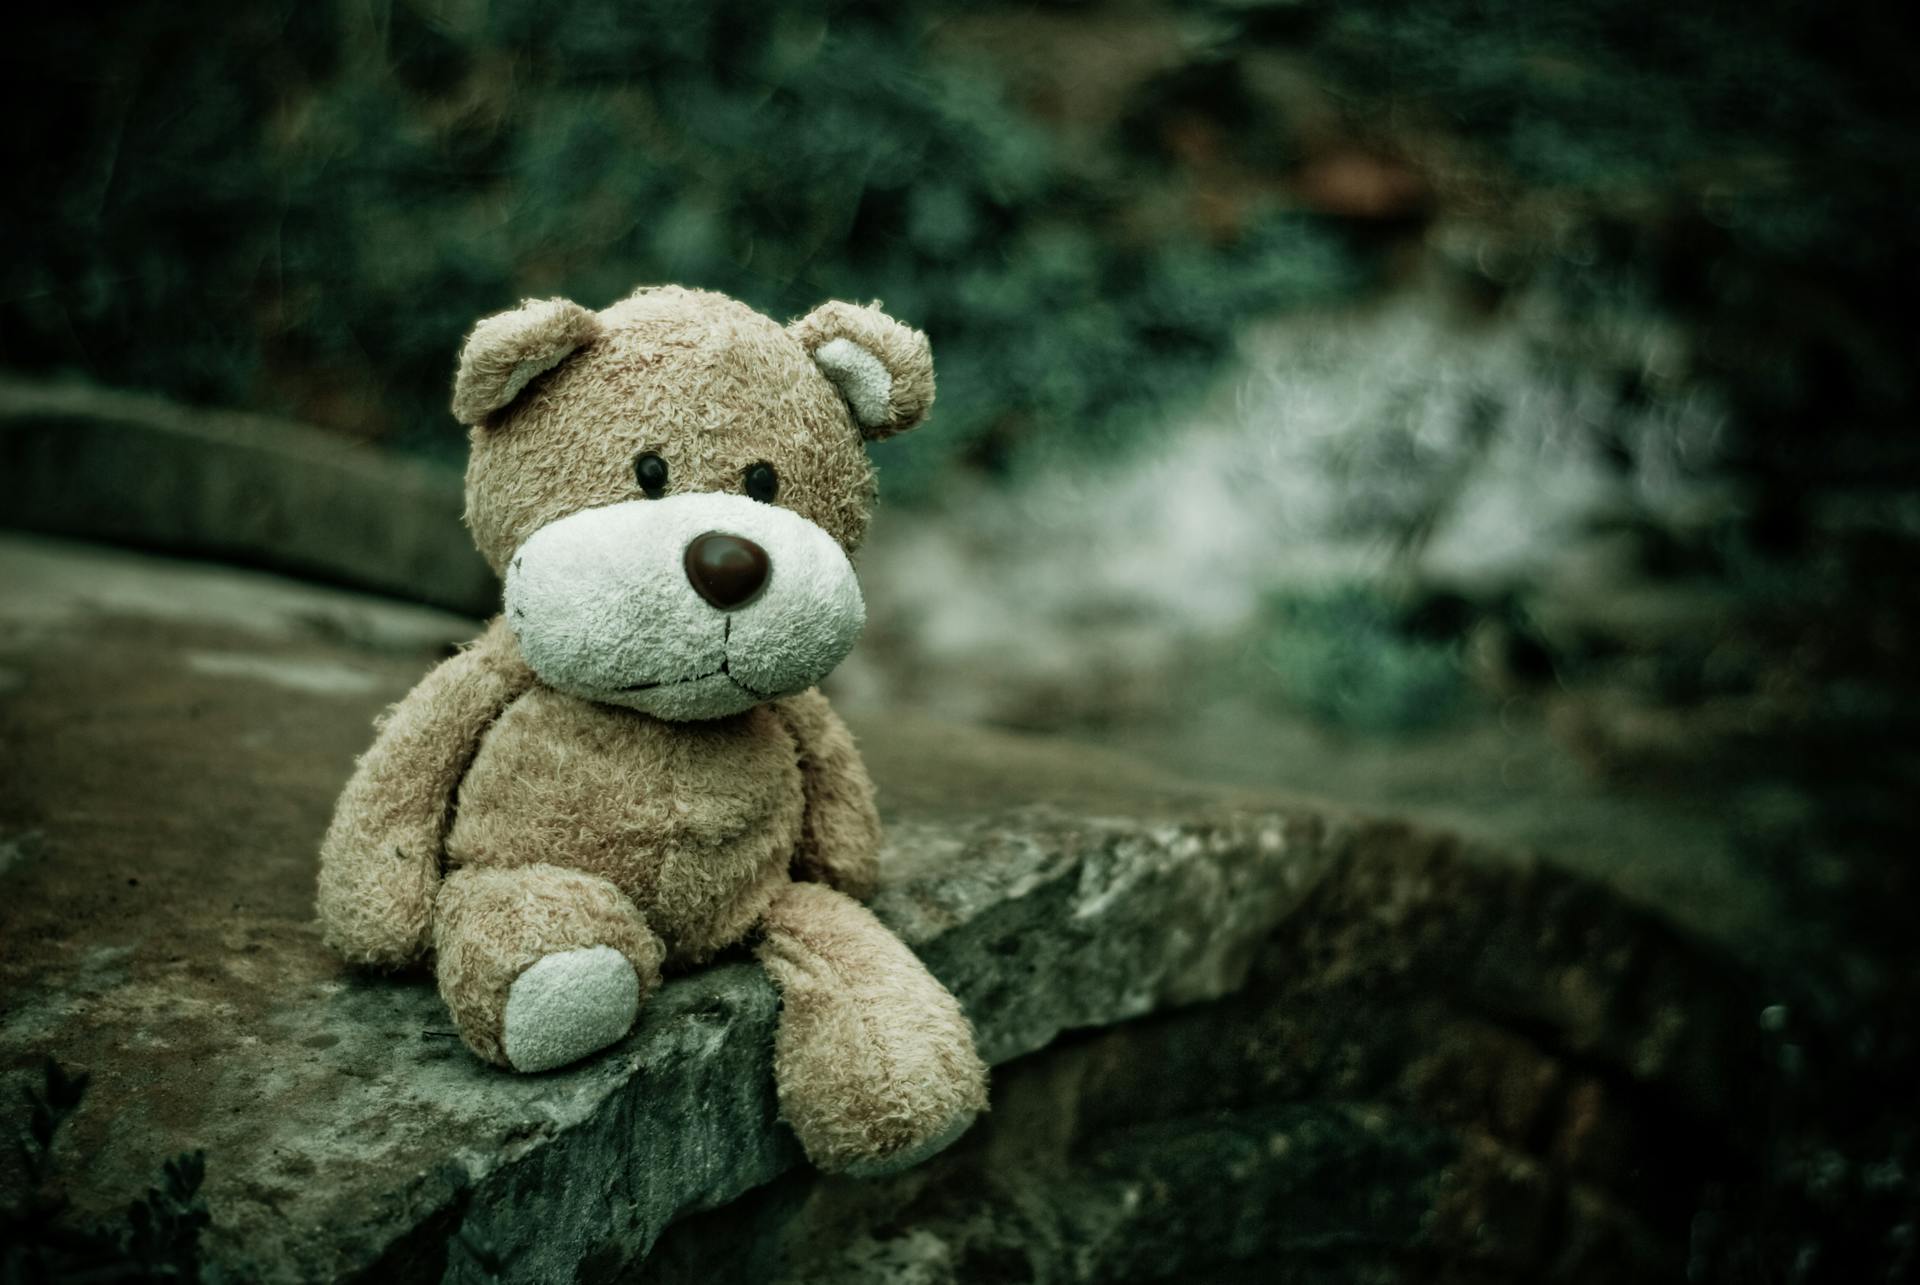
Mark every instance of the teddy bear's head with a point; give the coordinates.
(671, 488)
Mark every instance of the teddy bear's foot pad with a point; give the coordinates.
(567, 1005)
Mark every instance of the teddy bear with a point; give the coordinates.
(632, 769)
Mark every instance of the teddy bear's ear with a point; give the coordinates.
(508, 349)
(883, 369)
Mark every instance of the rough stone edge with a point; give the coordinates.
(653, 1141)
(1413, 920)
(1038, 891)
(681, 1118)
(143, 471)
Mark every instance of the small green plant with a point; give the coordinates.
(41, 1243)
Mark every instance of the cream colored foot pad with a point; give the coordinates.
(568, 1005)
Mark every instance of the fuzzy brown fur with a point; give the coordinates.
(380, 863)
(508, 351)
(497, 821)
(870, 1047)
(902, 351)
(696, 823)
(709, 384)
(491, 924)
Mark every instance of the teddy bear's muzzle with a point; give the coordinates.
(690, 607)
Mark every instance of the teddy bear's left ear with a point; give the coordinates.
(883, 368)
(505, 351)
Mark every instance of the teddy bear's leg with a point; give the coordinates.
(541, 966)
(873, 1059)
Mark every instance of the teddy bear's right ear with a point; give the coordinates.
(508, 349)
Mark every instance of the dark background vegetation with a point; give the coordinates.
(299, 207)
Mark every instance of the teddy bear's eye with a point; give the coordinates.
(651, 472)
(762, 482)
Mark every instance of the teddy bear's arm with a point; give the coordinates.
(380, 860)
(840, 839)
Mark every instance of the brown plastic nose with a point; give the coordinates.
(726, 570)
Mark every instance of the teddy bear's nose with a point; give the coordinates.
(726, 570)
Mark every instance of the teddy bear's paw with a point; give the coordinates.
(567, 1005)
(909, 1156)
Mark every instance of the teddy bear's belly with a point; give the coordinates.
(696, 822)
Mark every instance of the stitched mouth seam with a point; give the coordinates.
(724, 670)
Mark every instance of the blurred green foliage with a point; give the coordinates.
(301, 207)
(1345, 658)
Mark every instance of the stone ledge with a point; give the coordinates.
(175, 737)
(144, 471)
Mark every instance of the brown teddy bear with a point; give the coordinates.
(631, 769)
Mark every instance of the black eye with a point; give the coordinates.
(651, 472)
(762, 482)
